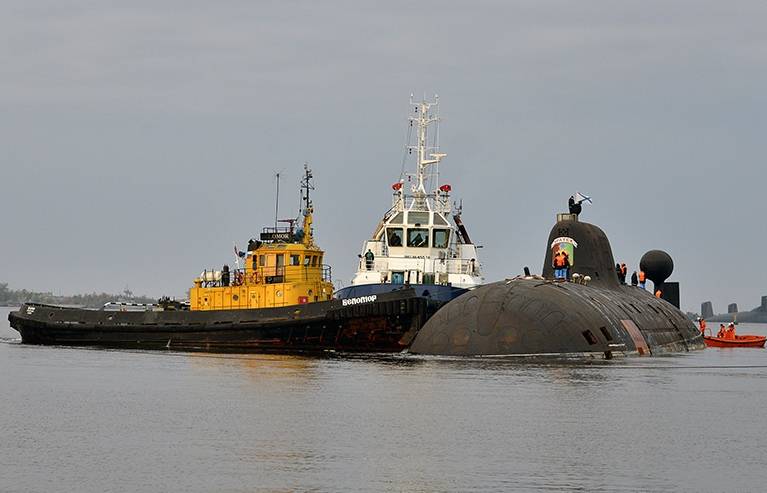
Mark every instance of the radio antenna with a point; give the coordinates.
(277, 201)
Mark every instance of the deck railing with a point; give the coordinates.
(267, 275)
(447, 266)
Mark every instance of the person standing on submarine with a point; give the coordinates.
(620, 270)
(558, 262)
(566, 258)
(575, 207)
(702, 325)
(561, 265)
(575, 201)
(634, 280)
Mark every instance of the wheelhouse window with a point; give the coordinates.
(440, 238)
(418, 218)
(418, 237)
(307, 260)
(314, 261)
(295, 260)
(394, 237)
(397, 219)
(262, 260)
(439, 220)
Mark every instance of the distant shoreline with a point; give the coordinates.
(17, 297)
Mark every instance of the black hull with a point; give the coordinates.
(387, 324)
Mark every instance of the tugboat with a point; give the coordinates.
(421, 241)
(281, 301)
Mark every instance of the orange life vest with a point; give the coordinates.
(559, 261)
(658, 294)
(641, 276)
(623, 269)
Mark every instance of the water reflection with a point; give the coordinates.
(87, 420)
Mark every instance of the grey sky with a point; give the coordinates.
(137, 142)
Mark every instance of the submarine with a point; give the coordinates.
(588, 313)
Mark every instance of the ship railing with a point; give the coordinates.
(123, 306)
(441, 266)
(277, 229)
(273, 275)
(462, 266)
(379, 265)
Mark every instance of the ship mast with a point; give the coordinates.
(424, 116)
(306, 186)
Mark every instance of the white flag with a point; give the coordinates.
(579, 197)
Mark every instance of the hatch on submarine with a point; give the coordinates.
(592, 313)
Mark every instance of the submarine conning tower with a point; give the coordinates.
(588, 247)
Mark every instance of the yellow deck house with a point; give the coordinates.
(283, 268)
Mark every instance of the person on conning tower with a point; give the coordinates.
(575, 201)
(575, 207)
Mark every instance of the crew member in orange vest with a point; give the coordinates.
(559, 265)
(658, 293)
(702, 324)
(730, 332)
(720, 334)
(642, 279)
(624, 271)
(566, 258)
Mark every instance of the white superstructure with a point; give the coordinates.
(421, 240)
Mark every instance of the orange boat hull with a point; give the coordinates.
(739, 341)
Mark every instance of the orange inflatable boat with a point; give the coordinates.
(737, 341)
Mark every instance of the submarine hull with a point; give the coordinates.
(535, 316)
(384, 323)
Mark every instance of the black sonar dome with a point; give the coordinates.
(657, 265)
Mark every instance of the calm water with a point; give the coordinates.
(85, 420)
